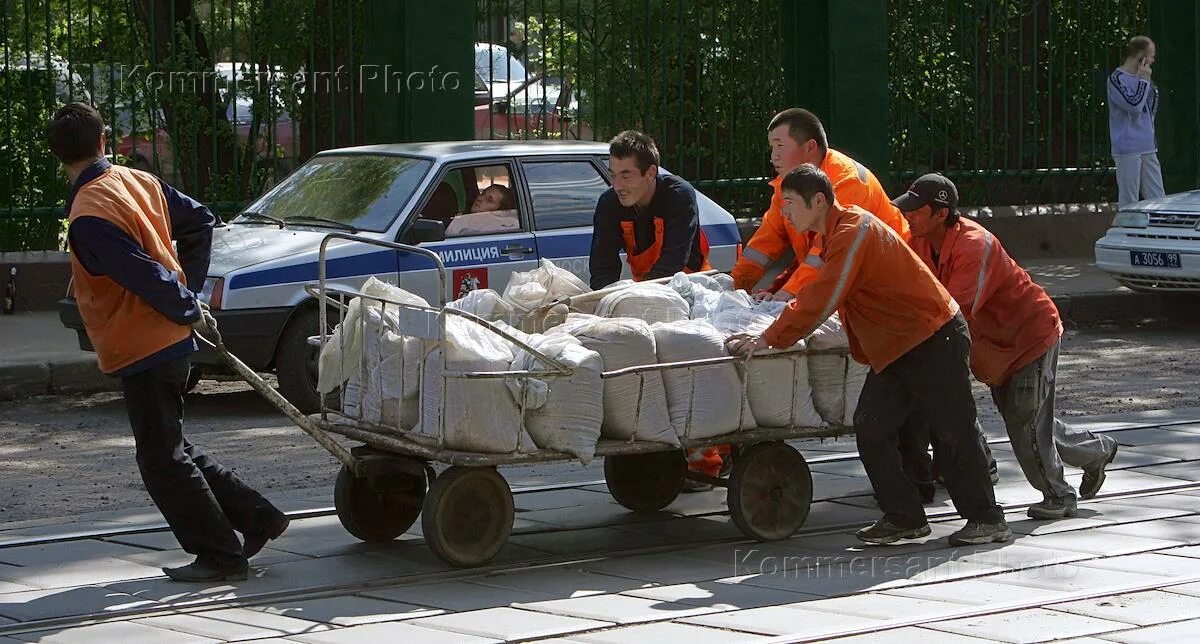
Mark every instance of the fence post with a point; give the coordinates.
(1173, 26)
(417, 78)
(835, 64)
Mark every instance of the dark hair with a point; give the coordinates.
(74, 133)
(802, 126)
(508, 200)
(632, 143)
(951, 217)
(1137, 45)
(807, 181)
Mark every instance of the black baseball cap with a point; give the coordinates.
(932, 188)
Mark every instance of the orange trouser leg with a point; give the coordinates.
(708, 460)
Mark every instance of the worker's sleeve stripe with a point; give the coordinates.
(849, 263)
(862, 171)
(814, 260)
(756, 256)
(979, 283)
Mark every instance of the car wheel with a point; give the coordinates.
(296, 363)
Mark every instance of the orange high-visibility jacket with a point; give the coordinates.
(888, 300)
(853, 185)
(1012, 320)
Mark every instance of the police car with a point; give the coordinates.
(415, 194)
(1154, 245)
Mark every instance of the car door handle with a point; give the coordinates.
(517, 249)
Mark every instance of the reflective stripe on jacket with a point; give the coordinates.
(888, 300)
(1012, 319)
(853, 185)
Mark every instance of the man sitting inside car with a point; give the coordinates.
(493, 211)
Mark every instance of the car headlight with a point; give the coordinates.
(1131, 220)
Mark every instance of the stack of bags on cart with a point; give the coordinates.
(395, 381)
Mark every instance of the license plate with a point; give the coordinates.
(1154, 259)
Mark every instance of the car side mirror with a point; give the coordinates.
(424, 230)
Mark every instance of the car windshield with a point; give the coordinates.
(358, 190)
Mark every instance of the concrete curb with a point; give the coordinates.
(79, 376)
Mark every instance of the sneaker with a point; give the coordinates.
(1093, 477)
(1053, 508)
(977, 532)
(995, 477)
(883, 532)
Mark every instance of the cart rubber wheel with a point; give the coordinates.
(468, 515)
(645, 483)
(379, 508)
(770, 491)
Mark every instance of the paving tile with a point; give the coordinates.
(618, 609)
(588, 541)
(1150, 436)
(666, 632)
(1156, 563)
(348, 610)
(787, 620)
(457, 596)
(70, 551)
(1035, 625)
(1075, 578)
(390, 632)
(593, 515)
(1186, 471)
(509, 624)
(1185, 450)
(721, 596)
(1097, 542)
(72, 573)
(1130, 511)
(1015, 555)
(553, 499)
(160, 540)
(832, 486)
(663, 568)
(686, 529)
(846, 543)
(561, 583)
(1173, 500)
(1186, 532)
(160, 558)
(234, 624)
(978, 592)
(56, 528)
(1188, 631)
(1021, 524)
(840, 468)
(1186, 551)
(885, 606)
(123, 632)
(829, 514)
(46, 604)
(829, 581)
(11, 587)
(1143, 609)
(911, 635)
(417, 557)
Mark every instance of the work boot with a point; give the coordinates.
(977, 532)
(883, 532)
(254, 541)
(1093, 475)
(1053, 508)
(204, 570)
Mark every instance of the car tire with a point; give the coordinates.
(296, 363)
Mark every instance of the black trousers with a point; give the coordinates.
(201, 500)
(932, 380)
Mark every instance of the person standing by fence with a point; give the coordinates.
(1132, 106)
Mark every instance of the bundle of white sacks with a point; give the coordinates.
(395, 382)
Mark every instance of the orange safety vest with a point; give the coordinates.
(641, 263)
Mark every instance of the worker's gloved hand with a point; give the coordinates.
(206, 325)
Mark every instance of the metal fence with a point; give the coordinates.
(1007, 97)
(223, 97)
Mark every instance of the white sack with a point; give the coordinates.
(711, 395)
(562, 413)
(391, 397)
(828, 374)
(623, 343)
(830, 335)
(480, 414)
(778, 387)
(528, 290)
(647, 302)
(484, 303)
(340, 357)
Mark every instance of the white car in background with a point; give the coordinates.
(1154, 245)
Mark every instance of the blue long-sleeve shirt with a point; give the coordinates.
(104, 249)
(1132, 106)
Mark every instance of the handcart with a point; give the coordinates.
(466, 508)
